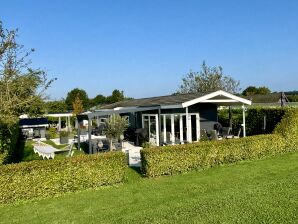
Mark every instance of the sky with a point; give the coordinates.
(145, 48)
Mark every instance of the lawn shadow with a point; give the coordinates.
(133, 174)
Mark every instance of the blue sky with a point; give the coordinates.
(146, 47)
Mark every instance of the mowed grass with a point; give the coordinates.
(264, 191)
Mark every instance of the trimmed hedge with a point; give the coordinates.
(254, 119)
(168, 160)
(288, 128)
(33, 179)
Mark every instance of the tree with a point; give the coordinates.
(77, 106)
(22, 88)
(57, 106)
(115, 126)
(116, 96)
(98, 100)
(252, 90)
(208, 79)
(71, 96)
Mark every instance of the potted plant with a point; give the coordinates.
(63, 137)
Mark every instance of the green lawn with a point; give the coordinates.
(28, 153)
(264, 191)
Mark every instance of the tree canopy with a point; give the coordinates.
(116, 96)
(252, 90)
(22, 87)
(71, 96)
(208, 79)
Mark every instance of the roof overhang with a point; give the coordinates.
(59, 115)
(228, 98)
(219, 97)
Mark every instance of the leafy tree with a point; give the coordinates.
(56, 106)
(115, 126)
(252, 90)
(98, 100)
(71, 96)
(208, 79)
(116, 96)
(22, 88)
(77, 105)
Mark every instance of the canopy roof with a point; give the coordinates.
(181, 100)
(219, 97)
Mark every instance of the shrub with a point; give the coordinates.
(170, 160)
(47, 178)
(52, 133)
(9, 138)
(182, 158)
(254, 119)
(288, 128)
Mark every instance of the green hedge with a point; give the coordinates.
(170, 160)
(9, 136)
(288, 128)
(254, 119)
(28, 180)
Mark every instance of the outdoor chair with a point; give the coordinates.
(226, 132)
(238, 133)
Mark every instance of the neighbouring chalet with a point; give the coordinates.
(172, 119)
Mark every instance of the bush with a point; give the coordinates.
(170, 160)
(47, 178)
(288, 128)
(52, 133)
(9, 138)
(254, 119)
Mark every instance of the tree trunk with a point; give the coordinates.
(111, 144)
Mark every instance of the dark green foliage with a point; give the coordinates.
(170, 160)
(116, 96)
(98, 100)
(9, 139)
(293, 98)
(33, 179)
(254, 119)
(71, 96)
(252, 90)
(56, 106)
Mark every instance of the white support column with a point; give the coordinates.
(198, 127)
(68, 121)
(89, 136)
(172, 129)
(59, 124)
(243, 117)
(181, 128)
(97, 121)
(157, 129)
(164, 129)
(188, 137)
